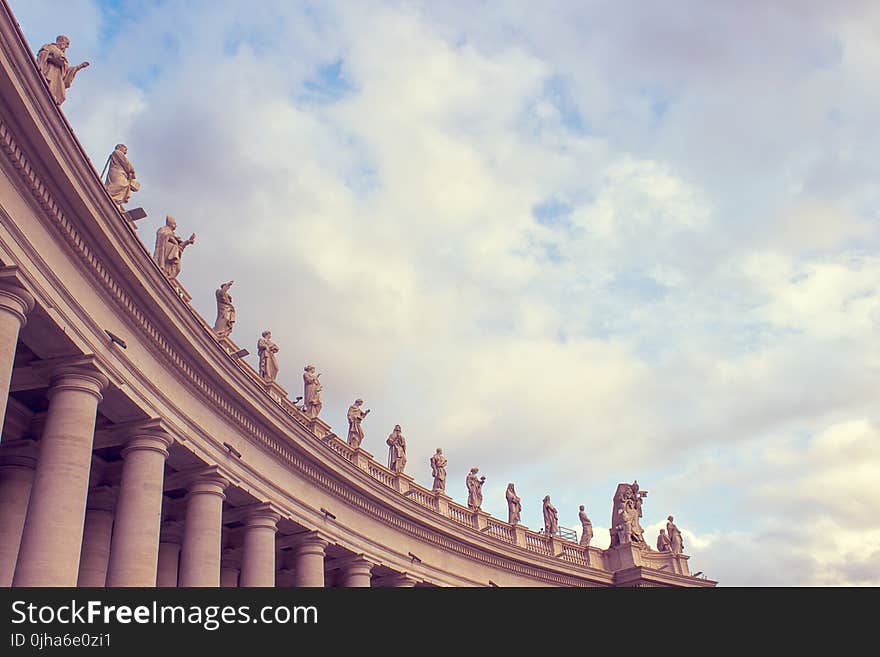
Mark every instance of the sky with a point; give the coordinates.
(573, 245)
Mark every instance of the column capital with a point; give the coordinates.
(155, 440)
(185, 479)
(262, 515)
(208, 482)
(398, 580)
(73, 374)
(14, 298)
(312, 542)
(356, 563)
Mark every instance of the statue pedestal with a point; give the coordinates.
(519, 534)
(442, 503)
(402, 482)
(276, 392)
(318, 427)
(628, 555)
(362, 459)
(228, 345)
(181, 291)
(481, 519)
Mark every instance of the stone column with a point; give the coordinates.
(15, 304)
(310, 561)
(17, 465)
(53, 531)
(356, 572)
(169, 554)
(258, 559)
(200, 553)
(96, 537)
(230, 570)
(134, 552)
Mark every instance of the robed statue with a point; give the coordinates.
(225, 311)
(625, 525)
(312, 387)
(475, 489)
(121, 181)
(514, 505)
(169, 248)
(355, 417)
(551, 518)
(396, 450)
(438, 471)
(266, 350)
(58, 73)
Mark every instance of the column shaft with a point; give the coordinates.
(310, 562)
(53, 531)
(229, 577)
(200, 553)
(166, 570)
(134, 552)
(15, 490)
(356, 573)
(95, 548)
(258, 559)
(169, 554)
(15, 304)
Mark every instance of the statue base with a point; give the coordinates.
(276, 392)
(181, 291)
(362, 458)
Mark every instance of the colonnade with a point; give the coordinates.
(57, 530)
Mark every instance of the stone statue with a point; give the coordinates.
(267, 349)
(396, 450)
(121, 181)
(312, 387)
(514, 506)
(438, 471)
(551, 518)
(475, 489)
(625, 515)
(663, 544)
(169, 248)
(52, 62)
(676, 544)
(586, 527)
(225, 311)
(355, 417)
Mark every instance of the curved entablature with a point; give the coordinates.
(246, 477)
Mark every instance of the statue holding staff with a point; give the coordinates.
(121, 181)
